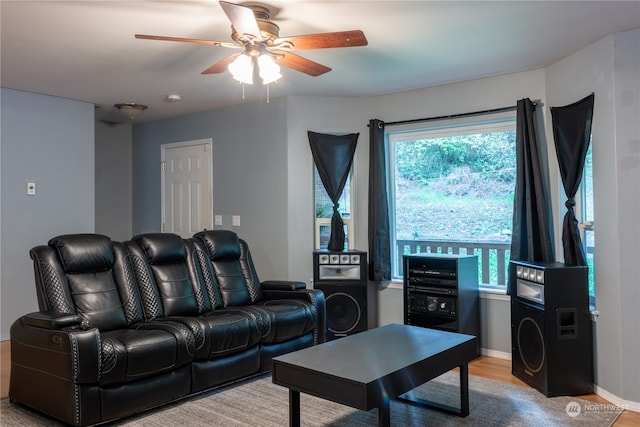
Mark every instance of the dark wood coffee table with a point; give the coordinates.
(365, 370)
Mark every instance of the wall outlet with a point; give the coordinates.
(217, 220)
(235, 220)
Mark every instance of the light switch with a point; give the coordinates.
(31, 188)
(235, 220)
(217, 220)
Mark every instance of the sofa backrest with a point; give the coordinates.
(155, 275)
(162, 272)
(89, 275)
(232, 267)
(207, 289)
(174, 275)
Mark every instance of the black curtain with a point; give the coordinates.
(572, 133)
(531, 238)
(333, 156)
(379, 234)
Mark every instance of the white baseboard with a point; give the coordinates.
(624, 404)
(495, 353)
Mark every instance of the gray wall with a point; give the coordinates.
(249, 174)
(328, 115)
(113, 168)
(611, 69)
(626, 71)
(48, 141)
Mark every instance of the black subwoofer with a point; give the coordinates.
(551, 330)
(530, 345)
(346, 309)
(529, 358)
(349, 299)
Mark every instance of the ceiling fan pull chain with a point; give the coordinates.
(268, 94)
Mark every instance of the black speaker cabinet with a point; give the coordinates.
(551, 330)
(342, 276)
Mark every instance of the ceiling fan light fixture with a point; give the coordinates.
(269, 70)
(242, 69)
(131, 110)
(252, 29)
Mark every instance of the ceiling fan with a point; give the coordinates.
(260, 41)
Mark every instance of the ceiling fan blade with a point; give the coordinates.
(186, 40)
(325, 40)
(301, 64)
(221, 65)
(242, 19)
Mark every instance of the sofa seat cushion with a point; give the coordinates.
(223, 333)
(132, 354)
(288, 319)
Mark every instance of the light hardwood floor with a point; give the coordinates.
(487, 367)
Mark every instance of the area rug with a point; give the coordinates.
(258, 402)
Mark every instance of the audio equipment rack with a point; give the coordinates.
(441, 292)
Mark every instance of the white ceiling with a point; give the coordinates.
(86, 50)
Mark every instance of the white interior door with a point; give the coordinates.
(187, 198)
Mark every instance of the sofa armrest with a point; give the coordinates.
(40, 343)
(50, 320)
(313, 296)
(282, 285)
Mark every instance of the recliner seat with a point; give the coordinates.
(161, 261)
(241, 289)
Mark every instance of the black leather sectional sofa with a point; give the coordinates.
(127, 326)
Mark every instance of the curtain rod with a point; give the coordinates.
(454, 116)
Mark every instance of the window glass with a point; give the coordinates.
(324, 211)
(452, 190)
(587, 220)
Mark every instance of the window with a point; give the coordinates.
(452, 190)
(324, 211)
(584, 201)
